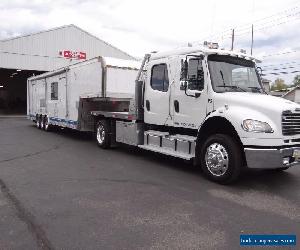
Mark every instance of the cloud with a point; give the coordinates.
(140, 26)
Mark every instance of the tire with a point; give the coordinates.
(103, 134)
(221, 158)
(38, 121)
(42, 122)
(46, 125)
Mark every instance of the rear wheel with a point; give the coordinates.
(221, 158)
(41, 122)
(38, 121)
(103, 134)
(46, 124)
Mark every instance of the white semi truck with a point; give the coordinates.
(195, 103)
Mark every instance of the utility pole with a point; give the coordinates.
(251, 39)
(232, 39)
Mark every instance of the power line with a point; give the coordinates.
(283, 53)
(256, 22)
(277, 64)
(270, 21)
(270, 26)
(275, 69)
(281, 73)
(287, 14)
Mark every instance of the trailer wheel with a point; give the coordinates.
(42, 122)
(38, 121)
(221, 158)
(46, 124)
(103, 135)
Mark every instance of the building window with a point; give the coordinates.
(159, 77)
(54, 91)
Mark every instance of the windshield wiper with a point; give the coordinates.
(257, 88)
(232, 86)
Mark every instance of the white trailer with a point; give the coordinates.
(65, 96)
(196, 103)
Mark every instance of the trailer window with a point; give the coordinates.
(54, 91)
(159, 77)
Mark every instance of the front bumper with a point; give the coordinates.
(269, 158)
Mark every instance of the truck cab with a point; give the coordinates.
(218, 94)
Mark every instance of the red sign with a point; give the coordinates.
(73, 54)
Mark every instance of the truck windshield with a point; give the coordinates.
(233, 74)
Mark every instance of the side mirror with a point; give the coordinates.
(184, 70)
(183, 85)
(197, 95)
(259, 70)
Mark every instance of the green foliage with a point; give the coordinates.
(296, 80)
(279, 84)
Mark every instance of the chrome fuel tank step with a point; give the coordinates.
(182, 146)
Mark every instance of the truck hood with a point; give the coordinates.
(261, 102)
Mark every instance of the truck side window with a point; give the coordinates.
(54, 91)
(159, 77)
(195, 75)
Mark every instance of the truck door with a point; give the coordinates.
(156, 98)
(190, 106)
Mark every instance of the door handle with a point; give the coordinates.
(147, 105)
(176, 106)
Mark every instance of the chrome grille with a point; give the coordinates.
(290, 123)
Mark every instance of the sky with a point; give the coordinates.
(139, 26)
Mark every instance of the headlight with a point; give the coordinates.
(256, 126)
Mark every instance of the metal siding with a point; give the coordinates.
(45, 47)
(290, 96)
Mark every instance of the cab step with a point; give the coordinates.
(181, 146)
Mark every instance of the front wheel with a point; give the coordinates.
(221, 158)
(103, 135)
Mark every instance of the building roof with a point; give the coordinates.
(64, 27)
(291, 90)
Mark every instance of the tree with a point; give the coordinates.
(296, 80)
(279, 84)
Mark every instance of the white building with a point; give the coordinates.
(293, 94)
(21, 57)
(266, 84)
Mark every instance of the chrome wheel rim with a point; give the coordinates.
(46, 126)
(42, 123)
(100, 134)
(216, 159)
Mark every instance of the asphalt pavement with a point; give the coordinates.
(60, 191)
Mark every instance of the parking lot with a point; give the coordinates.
(60, 191)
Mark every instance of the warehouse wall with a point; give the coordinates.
(40, 51)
